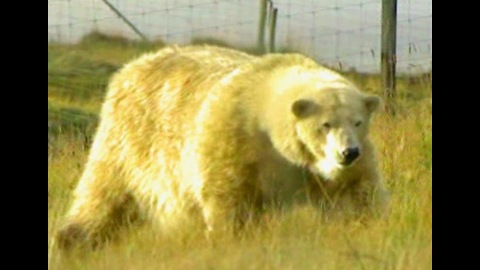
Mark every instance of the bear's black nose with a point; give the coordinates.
(350, 154)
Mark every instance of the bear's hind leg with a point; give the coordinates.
(94, 222)
(99, 210)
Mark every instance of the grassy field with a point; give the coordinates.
(297, 239)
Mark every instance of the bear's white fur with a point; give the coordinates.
(216, 133)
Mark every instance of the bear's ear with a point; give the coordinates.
(303, 108)
(372, 102)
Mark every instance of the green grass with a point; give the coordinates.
(297, 239)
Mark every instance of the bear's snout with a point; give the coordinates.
(349, 155)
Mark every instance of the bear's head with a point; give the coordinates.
(328, 124)
(332, 125)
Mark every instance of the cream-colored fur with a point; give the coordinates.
(211, 133)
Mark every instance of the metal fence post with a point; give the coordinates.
(273, 25)
(119, 14)
(261, 26)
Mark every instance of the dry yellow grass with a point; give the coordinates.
(300, 238)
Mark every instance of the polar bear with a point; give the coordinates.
(214, 133)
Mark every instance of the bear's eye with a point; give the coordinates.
(327, 125)
(357, 124)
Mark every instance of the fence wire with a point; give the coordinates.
(344, 34)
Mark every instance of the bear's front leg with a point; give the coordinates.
(369, 197)
(230, 198)
(226, 157)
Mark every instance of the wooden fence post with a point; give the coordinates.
(388, 55)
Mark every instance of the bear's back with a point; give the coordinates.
(153, 101)
(172, 82)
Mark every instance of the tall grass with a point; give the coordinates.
(300, 238)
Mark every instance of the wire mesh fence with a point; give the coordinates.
(88, 42)
(344, 34)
